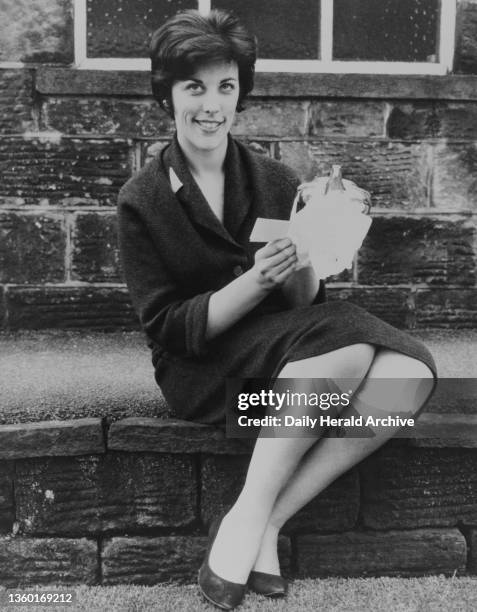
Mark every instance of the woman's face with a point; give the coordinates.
(204, 106)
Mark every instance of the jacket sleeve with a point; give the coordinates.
(176, 323)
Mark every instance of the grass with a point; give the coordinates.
(428, 594)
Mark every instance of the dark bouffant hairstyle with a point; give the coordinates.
(188, 40)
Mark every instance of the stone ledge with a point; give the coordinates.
(52, 439)
(67, 81)
(152, 434)
(53, 375)
(135, 434)
(84, 436)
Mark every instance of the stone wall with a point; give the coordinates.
(84, 503)
(69, 139)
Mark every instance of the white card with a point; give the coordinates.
(266, 230)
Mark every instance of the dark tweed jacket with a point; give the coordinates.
(175, 252)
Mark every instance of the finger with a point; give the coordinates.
(270, 273)
(275, 246)
(281, 256)
(282, 276)
(291, 261)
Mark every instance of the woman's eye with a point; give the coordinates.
(195, 87)
(228, 86)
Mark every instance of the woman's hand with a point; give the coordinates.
(274, 263)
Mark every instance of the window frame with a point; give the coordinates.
(326, 64)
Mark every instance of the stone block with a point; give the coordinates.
(94, 494)
(393, 305)
(418, 250)
(95, 252)
(395, 173)
(32, 248)
(152, 560)
(472, 566)
(423, 119)
(438, 487)
(39, 31)
(48, 561)
(3, 310)
(16, 101)
(454, 186)
(140, 560)
(110, 116)
(299, 156)
(446, 308)
(51, 438)
(445, 430)
(276, 118)
(101, 308)
(46, 168)
(222, 479)
(394, 553)
(352, 118)
(466, 40)
(149, 434)
(7, 509)
(413, 120)
(335, 509)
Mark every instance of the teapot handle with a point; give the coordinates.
(293, 212)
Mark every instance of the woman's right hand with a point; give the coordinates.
(274, 263)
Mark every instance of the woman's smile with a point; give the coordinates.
(209, 125)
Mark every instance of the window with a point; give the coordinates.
(354, 36)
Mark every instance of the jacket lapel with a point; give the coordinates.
(236, 191)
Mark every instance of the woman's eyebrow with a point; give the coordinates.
(196, 80)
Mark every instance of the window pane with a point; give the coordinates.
(386, 30)
(122, 28)
(285, 29)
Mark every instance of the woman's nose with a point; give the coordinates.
(211, 103)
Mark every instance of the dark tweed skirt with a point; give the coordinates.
(259, 346)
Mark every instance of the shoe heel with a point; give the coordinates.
(269, 585)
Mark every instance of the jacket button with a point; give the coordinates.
(238, 270)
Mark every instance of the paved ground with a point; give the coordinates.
(60, 375)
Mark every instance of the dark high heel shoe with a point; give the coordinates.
(270, 585)
(220, 592)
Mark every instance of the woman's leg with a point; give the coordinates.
(273, 462)
(331, 457)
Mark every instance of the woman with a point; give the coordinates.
(215, 306)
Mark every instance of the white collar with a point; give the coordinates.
(175, 181)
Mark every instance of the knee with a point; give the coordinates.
(391, 364)
(354, 360)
